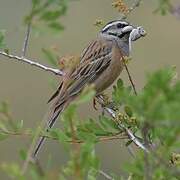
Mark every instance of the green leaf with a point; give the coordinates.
(108, 125)
(87, 136)
(93, 127)
(128, 111)
(13, 170)
(56, 26)
(35, 2)
(69, 112)
(88, 158)
(3, 126)
(164, 7)
(120, 92)
(60, 135)
(51, 15)
(23, 154)
(120, 83)
(19, 125)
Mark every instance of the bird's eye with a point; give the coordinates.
(121, 25)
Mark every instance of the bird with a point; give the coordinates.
(100, 64)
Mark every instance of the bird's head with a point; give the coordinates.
(123, 32)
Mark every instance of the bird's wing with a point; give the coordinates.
(94, 60)
(55, 94)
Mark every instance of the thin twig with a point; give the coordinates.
(131, 135)
(100, 139)
(130, 78)
(135, 5)
(29, 157)
(8, 118)
(33, 63)
(26, 40)
(105, 175)
(38, 130)
(43, 121)
(132, 8)
(76, 151)
(134, 139)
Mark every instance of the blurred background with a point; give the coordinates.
(27, 89)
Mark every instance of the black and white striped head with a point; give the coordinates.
(121, 30)
(123, 33)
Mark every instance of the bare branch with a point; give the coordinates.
(33, 63)
(29, 152)
(105, 175)
(26, 40)
(116, 136)
(134, 139)
(130, 79)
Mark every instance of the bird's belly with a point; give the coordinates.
(109, 75)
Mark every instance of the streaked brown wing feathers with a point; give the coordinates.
(95, 60)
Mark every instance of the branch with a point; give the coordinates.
(107, 176)
(26, 40)
(112, 113)
(33, 63)
(29, 152)
(74, 141)
(130, 78)
(76, 151)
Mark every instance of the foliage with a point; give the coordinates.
(152, 116)
(47, 13)
(164, 7)
(154, 109)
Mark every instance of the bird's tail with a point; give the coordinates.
(51, 121)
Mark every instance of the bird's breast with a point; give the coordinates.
(112, 72)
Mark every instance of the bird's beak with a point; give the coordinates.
(127, 29)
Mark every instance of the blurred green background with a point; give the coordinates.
(27, 89)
